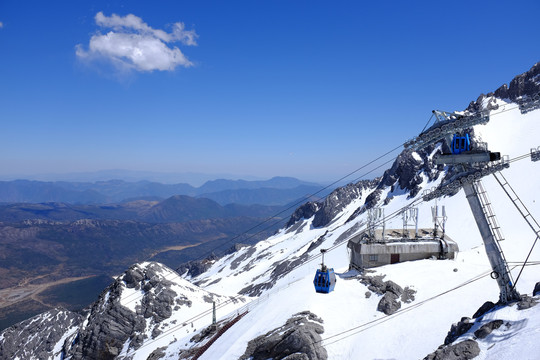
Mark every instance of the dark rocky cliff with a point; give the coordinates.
(522, 90)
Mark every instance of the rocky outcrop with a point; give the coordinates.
(526, 302)
(111, 324)
(522, 90)
(486, 329)
(325, 211)
(305, 211)
(280, 269)
(485, 308)
(197, 267)
(392, 294)
(536, 290)
(464, 350)
(299, 338)
(458, 329)
(469, 348)
(334, 203)
(526, 84)
(389, 303)
(235, 248)
(406, 172)
(20, 340)
(117, 319)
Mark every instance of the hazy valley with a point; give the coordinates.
(61, 253)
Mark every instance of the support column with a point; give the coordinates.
(493, 251)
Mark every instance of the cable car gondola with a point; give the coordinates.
(462, 151)
(325, 278)
(460, 144)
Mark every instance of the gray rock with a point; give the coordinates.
(298, 339)
(464, 350)
(536, 290)
(296, 356)
(486, 307)
(374, 283)
(132, 277)
(458, 329)
(486, 329)
(526, 302)
(235, 248)
(197, 267)
(305, 211)
(281, 268)
(389, 303)
(334, 203)
(315, 244)
(157, 354)
(408, 295)
(390, 286)
(391, 292)
(37, 336)
(521, 90)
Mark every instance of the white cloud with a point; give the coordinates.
(2, 24)
(133, 45)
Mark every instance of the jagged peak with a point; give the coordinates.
(521, 89)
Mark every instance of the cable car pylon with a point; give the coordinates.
(471, 165)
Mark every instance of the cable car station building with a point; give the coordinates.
(395, 247)
(378, 247)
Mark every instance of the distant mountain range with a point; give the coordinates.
(178, 208)
(195, 179)
(276, 191)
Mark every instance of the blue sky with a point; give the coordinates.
(309, 89)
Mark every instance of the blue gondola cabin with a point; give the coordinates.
(460, 144)
(325, 280)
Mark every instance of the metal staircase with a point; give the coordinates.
(488, 211)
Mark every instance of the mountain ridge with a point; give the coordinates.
(112, 191)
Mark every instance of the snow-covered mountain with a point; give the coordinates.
(265, 301)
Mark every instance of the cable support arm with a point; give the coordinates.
(447, 124)
(469, 177)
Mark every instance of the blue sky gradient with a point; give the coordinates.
(309, 89)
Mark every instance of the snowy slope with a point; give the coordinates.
(422, 325)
